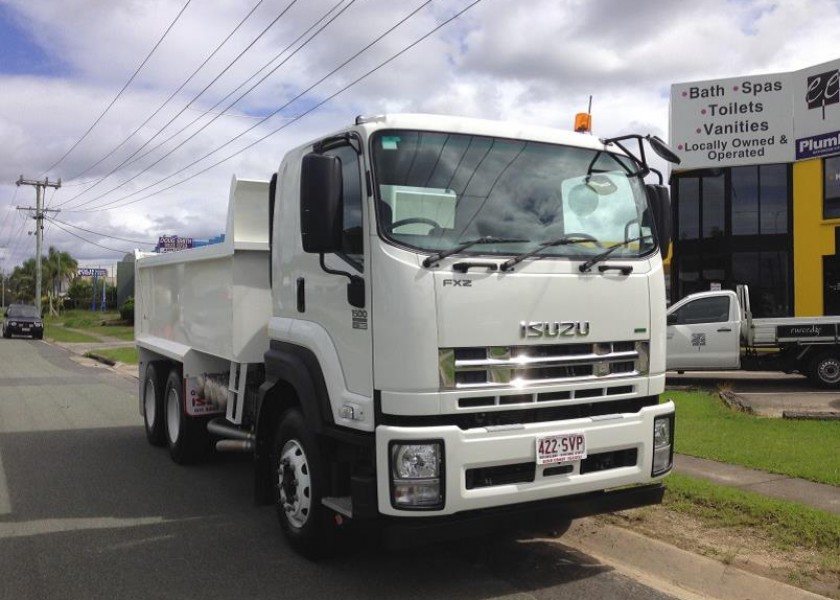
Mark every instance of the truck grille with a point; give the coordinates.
(523, 366)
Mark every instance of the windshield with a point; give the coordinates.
(22, 312)
(438, 190)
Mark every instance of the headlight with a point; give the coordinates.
(417, 475)
(13, 323)
(663, 444)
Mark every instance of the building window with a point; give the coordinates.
(831, 188)
(759, 200)
(733, 227)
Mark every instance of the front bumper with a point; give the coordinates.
(402, 533)
(488, 468)
(23, 328)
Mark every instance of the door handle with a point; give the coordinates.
(722, 329)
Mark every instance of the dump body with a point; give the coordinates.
(214, 299)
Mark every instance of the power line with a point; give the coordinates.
(105, 235)
(129, 161)
(91, 242)
(181, 87)
(292, 120)
(120, 93)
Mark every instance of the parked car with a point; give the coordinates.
(23, 319)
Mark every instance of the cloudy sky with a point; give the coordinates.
(146, 108)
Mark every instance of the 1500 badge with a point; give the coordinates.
(533, 329)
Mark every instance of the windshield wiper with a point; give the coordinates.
(487, 239)
(563, 241)
(588, 264)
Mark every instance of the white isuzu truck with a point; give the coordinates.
(715, 330)
(429, 324)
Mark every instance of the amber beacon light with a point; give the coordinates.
(583, 122)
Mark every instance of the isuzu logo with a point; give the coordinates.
(538, 329)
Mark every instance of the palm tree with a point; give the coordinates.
(58, 266)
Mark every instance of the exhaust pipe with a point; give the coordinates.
(234, 446)
(223, 429)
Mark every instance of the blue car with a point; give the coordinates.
(23, 319)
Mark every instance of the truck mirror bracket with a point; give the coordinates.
(355, 288)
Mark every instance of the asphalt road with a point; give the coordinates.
(89, 510)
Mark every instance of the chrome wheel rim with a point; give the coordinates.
(173, 415)
(149, 404)
(294, 482)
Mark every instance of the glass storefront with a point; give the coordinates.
(733, 227)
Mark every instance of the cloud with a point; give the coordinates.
(534, 61)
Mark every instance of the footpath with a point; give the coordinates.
(683, 574)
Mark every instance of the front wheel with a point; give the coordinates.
(825, 370)
(298, 481)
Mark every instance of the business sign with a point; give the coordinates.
(171, 243)
(737, 121)
(816, 110)
(92, 272)
(757, 119)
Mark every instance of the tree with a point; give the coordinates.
(21, 286)
(57, 267)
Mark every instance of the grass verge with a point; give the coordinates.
(95, 324)
(787, 525)
(60, 334)
(707, 428)
(774, 538)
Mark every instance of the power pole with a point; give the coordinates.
(39, 226)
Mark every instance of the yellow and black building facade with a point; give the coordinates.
(757, 195)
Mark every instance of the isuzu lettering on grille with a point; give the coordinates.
(535, 329)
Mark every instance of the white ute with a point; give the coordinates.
(430, 324)
(715, 330)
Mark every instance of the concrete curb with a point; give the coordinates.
(683, 574)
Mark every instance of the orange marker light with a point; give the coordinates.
(583, 122)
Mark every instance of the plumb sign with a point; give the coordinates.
(93, 272)
(757, 119)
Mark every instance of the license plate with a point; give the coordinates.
(567, 447)
(25, 329)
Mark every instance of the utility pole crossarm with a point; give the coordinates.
(39, 226)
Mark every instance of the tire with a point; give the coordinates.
(153, 417)
(298, 482)
(825, 370)
(186, 436)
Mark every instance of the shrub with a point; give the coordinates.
(127, 310)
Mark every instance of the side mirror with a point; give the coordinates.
(662, 150)
(321, 204)
(660, 204)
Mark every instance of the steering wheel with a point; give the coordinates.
(584, 237)
(415, 221)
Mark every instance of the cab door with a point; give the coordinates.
(704, 334)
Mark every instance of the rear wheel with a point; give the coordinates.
(299, 482)
(186, 436)
(153, 406)
(825, 370)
